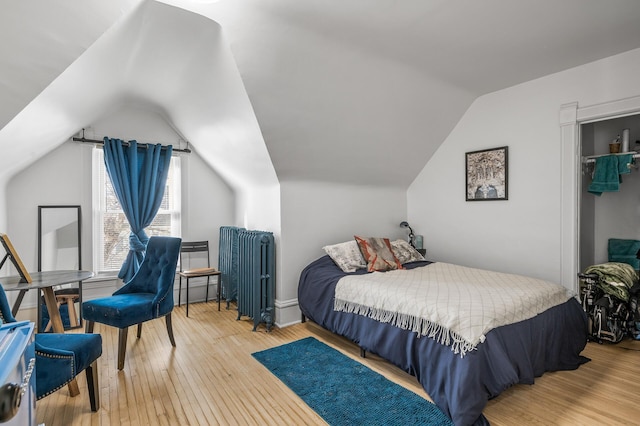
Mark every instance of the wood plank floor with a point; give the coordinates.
(210, 378)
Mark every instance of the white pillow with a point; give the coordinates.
(346, 255)
(404, 252)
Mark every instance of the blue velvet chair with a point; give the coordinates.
(61, 357)
(148, 295)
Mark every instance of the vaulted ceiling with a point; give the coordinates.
(358, 91)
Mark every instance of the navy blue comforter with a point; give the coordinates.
(461, 387)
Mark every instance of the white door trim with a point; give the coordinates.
(571, 117)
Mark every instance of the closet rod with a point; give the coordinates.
(592, 158)
(83, 139)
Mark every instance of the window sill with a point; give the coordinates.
(102, 276)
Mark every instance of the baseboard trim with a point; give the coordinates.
(287, 312)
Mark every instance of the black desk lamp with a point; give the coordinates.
(405, 224)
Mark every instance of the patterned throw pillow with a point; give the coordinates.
(378, 254)
(346, 255)
(404, 252)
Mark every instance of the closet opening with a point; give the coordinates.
(614, 214)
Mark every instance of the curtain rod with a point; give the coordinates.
(592, 158)
(83, 139)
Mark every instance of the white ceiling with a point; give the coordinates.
(356, 91)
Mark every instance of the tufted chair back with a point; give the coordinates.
(146, 296)
(156, 274)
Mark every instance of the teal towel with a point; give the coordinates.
(606, 177)
(624, 251)
(624, 164)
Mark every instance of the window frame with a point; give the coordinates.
(99, 182)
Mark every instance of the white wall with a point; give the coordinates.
(64, 175)
(522, 234)
(3, 206)
(259, 208)
(207, 203)
(316, 214)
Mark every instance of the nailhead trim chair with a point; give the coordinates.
(148, 295)
(61, 357)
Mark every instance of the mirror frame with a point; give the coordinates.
(79, 216)
(78, 210)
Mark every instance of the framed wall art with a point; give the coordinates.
(487, 174)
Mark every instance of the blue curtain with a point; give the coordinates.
(138, 175)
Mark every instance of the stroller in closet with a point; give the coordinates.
(609, 294)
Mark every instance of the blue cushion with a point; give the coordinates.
(122, 310)
(60, 357)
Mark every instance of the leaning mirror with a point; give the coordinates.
(59, 236)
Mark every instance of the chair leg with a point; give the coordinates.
(92, 384)
(179, 289)
(122, 346)
(88, 326)
(219, 291)
(170, 329)
(187, 297)
(139, 330)
(206, 293)
(71, 308)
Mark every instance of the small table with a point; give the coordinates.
(46, 280)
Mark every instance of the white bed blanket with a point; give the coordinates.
(453, 304)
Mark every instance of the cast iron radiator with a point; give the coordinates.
(228, 262)
(256, 277)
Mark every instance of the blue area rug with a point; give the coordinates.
(343, 391)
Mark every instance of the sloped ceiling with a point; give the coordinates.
(40, 39)
(164, 58)
(359, 91)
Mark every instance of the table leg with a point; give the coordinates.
(18, 302)
(56, 322)
(52, 308)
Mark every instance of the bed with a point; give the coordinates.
(459, 379)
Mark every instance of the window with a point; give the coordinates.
(110, 227)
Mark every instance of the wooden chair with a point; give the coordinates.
(208, 271)
(68, 297)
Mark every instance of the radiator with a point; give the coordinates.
(228, 262)
(256, 277)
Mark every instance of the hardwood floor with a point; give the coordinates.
(210, 378)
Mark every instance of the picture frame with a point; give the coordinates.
(12, 254)
(487, 174)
